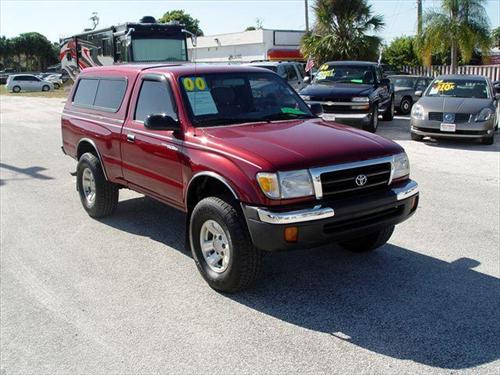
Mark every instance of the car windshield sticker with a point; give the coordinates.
(442, 86)
(324, 67)
(324, 74)
(292, 111)
(199, 96)
(194, 84)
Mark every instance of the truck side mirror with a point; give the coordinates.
(316, 109)
(161, 122)
(418, 93)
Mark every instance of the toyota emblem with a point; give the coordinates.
(361, 180)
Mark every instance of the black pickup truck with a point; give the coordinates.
(352, 92)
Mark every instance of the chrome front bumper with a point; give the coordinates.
(319, 212)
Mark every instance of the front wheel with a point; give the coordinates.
(221, 246)
(99, 197)
(405, 105)
(389, 112)
(373, 124)
(488, 140)
(416, 137)
(16, 89)
(369, 242)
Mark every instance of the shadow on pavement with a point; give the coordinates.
(33, 172)
(395, 301)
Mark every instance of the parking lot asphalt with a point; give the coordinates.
(120, 295)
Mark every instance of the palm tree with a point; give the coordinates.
(460, 26)
(341, 31)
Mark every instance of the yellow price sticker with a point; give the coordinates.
(188, 84)
(444, 86)
(200, 83)
(323, 67)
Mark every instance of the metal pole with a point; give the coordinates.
(419, 17)
(307, 15)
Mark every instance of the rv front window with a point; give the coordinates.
(159, 50)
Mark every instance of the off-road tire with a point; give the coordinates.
(106, 195)
(16, 89)
(373, 125)
(369, 242)
(405, 105)
(389, 112)
(245, 260)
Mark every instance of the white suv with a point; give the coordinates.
(291, 71)
(27, 82)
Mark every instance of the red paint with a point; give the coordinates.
(236, 153)
(284, 54)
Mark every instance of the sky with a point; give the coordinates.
(56, 18)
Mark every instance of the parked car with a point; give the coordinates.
(291, 71)
(27, 82)
(404, 90)
(352, 92)
(496, 87)
(390, 70)
(52, 77)
(237, 150)
(456, 106)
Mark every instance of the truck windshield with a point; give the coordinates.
(357, 74)
(160, 49)
(460, 88)
(231, 98)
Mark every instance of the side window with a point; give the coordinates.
(291, 74)
(18, 78)
(85, 92)
(282, 72)
(110, 93)
(301, 69)
(154, 98)
(422, 84)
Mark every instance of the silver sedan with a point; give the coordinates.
(456, 106)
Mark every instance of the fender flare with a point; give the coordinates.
(92, 143)
(213, 175)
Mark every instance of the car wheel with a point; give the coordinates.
(221, 246)
(373, 124)
(389, 112)
(488, 140)
(57, 86)
(369, 242)
(45, 88)
(405, 105)
(416, 137)
(99, 197)
(16, 89)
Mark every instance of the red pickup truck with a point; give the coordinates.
(235, 148)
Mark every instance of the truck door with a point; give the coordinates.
(151, 159)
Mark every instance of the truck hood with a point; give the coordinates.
(454, 105)
(335, 90)
(297, 144)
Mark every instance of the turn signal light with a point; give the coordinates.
(291, 234)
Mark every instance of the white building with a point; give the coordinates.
(247, 46)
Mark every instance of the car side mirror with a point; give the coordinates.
(161, 122)
(307, 79)
(419, 93)
(316, 109)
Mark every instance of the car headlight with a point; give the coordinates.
(305, 97)
(401, 165)
(417, 112)
(286, 185)
(484, 115)
(360, 99)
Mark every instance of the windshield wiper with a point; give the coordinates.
(284, 116)
(222, 121)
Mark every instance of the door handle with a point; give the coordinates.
(131, 138)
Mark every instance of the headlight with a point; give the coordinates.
(484, 115)
(360, 99)
(286, 185)
(417, 112)
(401, 166)
(305, 97)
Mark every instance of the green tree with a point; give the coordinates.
(342, 31)
(496, 37)
(191, 24)
(250, 28)
(401, 52)
(460, 26)
(33, 51)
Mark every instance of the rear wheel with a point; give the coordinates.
(57, 86)
(405, 105)
(99, 197)
(369, 242)
(373, 124)
(45, 88)
(16, 89)
(221, 246)
(389, 112)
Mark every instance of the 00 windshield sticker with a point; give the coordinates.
(194, 84)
